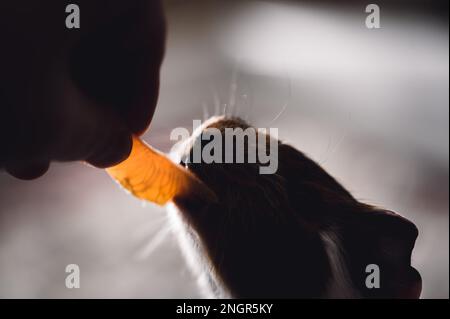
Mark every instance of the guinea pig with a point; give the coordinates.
(296, 233)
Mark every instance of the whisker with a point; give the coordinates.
(154, 243)
(325, 154)
(216, 101)
(233, 90)
(225, 107)
(249, 99)
(288, 101)
(146, 229)
(338, 144)
(205, 111)
(279, 114)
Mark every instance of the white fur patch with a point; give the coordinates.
(340, 286)
(194, 255)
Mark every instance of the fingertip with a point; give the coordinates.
(116, 150)
(139, 117)
(27, 170)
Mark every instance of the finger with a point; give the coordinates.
(28, 170)
(113, 151)
(117, 63)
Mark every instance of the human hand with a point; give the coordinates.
(76, 94)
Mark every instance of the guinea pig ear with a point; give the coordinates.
(384, 240)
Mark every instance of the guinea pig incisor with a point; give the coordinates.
(294, 234)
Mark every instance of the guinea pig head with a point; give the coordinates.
(294, 233)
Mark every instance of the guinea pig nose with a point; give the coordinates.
(395, 224)
(395, 234)
(116, 64)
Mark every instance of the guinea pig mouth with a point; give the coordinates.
(408, 284)
(414, 287)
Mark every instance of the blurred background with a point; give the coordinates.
(370, 105)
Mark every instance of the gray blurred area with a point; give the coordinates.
(371, 106)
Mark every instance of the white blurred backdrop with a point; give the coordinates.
(371, 106)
